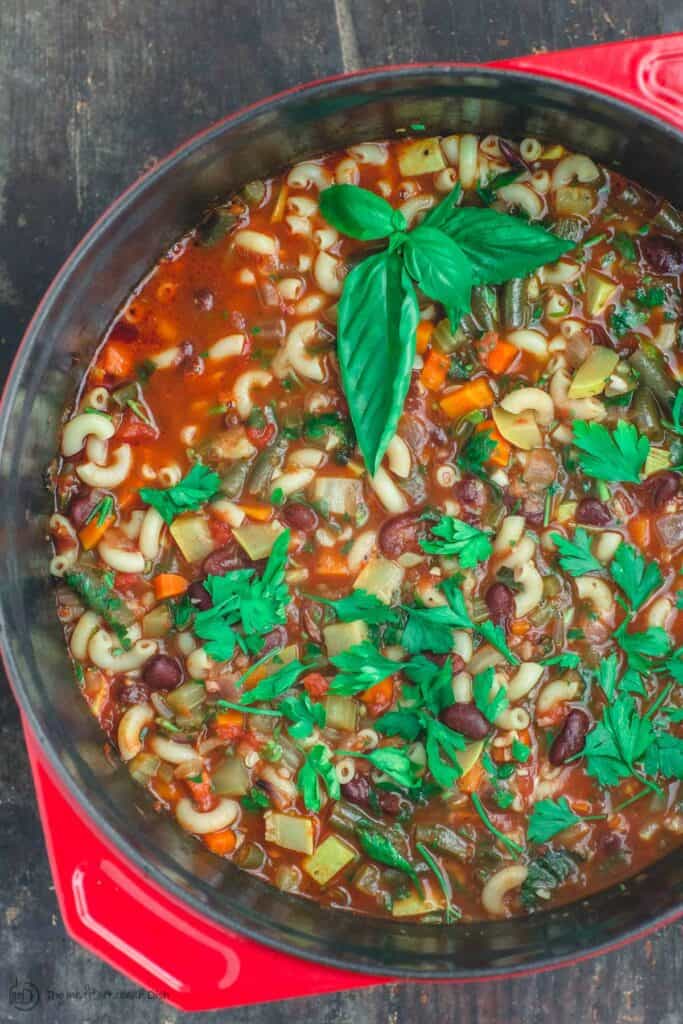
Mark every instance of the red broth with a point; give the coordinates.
(525, 773)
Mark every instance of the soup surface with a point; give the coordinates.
(369, 551)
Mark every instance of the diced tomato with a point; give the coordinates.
(123, 580)
(261, 436)
(229, 725)
(315, 684)
(202, 794)
(133, 430)
(124, 331)
(220, 531)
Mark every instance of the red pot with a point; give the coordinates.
(132, 886)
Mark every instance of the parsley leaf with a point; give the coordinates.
(360, 667)
(476, 452)
(567, 660)
(576, 557)
(495, 635)
(359, 604)
(607, 675)
(469, 544)
(380, 848)
(617, 742)
(626, 319)
(403, 722)
(429, 629)
(304, 715)
(442, 746)
(618, 455)
(641, 647)
(317, 770)
(649, 297)
(197, 487)
(548, 817)
(393, 761)
(637, 578)
(625, 246)
(456, 602)
(520, 751)
(490, 706)
(275, 684)
(97, 596)
(256, 800)
(545, 874)
(665, 756)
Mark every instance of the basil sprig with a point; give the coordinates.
(452, 249)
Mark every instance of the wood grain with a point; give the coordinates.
(91, 92)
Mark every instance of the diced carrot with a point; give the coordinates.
(254, 510)
(639, 528)
(469, 783)
(279, 208)
(424, 332)
(166, 791)
(580, 806)
(92, 533)
(379, 697)
(169, 584)
(331, 563)
(202, 794)
(221, 843)
(124, 500)
(476, 394)
(520, 627)
(434, 370)
(500, 456)
(501, 357)
(315, 684)
(229, 724)
(119, 359)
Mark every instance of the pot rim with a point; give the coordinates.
(58, 771)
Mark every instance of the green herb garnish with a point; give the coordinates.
(195, 489)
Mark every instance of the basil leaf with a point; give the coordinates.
(359, 213)
(444, 214)
(441, 270)
(500, 246)
(378, 316)
(381, 849)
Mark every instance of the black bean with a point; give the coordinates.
(162, 672)
(571, 738)
(591, 512)
(467, 719)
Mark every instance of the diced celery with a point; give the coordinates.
(257, 539)
(341, 713)
(600, 290)
(338, 495)
(144, 767)
(657, 460)
(423, 156)
(593, 374)
(329, 859)
(193, 536)
(184, 699)
(342, 635)
(158, 622)
(468, 757)
(291, 831)
(231, 778)
(381, 578)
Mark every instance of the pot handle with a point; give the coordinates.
(178, 955)
(647, 73)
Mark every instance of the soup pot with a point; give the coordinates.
(115, 858)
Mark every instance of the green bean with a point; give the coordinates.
(447, 340)
(233, 480)
(443, 839)
(250, 856)
(264, 466)
(485, 307)
(669, 219)
(649, 362)
(516, 307)
(645, 414)
(253, 193)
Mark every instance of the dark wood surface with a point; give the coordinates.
(92, 91)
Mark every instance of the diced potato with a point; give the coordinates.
(413, 906)
(193, 537)
(593, 374)
(342, 635)
(287, 654)
(290, 831)
(575, 200)
(520, 429)
(468, 757)
(381, 578)
(566, 511)
(184, 699)
(257, 539)
(600, 290)
(157, 623)
(423, 156)
(329, 859)
(231, 778)
(338, 495)
(657, 460)
(341, 713)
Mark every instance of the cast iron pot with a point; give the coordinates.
(81, 302)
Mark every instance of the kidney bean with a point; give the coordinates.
(661, 488)
(136, 693)
(571, 738)
(663, 254)
(533, 509)
(500, 602)
(299, 516)
(199, 596)
(470, 491)
(357, 790)
(225, 560)
(203, 299)
(123, 331)
(162, 672)
(311, 624)
(592, 512)
(276, 638)
(513, 157)
(81, 505)
(389, 802)
(400, 534)
(467, 719)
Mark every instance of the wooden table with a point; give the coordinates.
(91, 92)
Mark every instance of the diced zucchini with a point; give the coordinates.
(257, 539)
(338, 495)
(593, 374)
(600, 290)
(381, 578)
(158, 622)
(331, 857)
(520, 428)
(342, 635)
(413, 906)
(144, 767)
(423, 156)
(341, 713)
(184, 699)
(193, 536)
(291, 831)
(468, 757)
(657, 460)
(231, 778)
(575, 200)
(445, 339)
(566, 511)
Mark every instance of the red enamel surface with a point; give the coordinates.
(112, 908)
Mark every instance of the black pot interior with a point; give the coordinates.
(114, 257)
